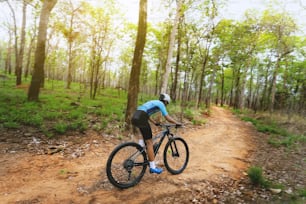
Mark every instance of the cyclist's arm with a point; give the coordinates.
(171, 120)
(151, 120)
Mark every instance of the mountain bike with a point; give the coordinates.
(127, 163)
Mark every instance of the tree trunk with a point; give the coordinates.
(256, 94)
(69, 71)
(238, 88)
(15, 41)
(231, 99)
(171, 47)
(212, 80)
(263, 100)
(222, 86)
(157, 77)
(27, 67)
(275, 73)
(136, 64)
(21, 49)
(91, 77)
(8, 60)
(38, 73)
(250, 96)
(71, 38)
(178, 56)
(273, 87)
(302, 105)
(199, 99)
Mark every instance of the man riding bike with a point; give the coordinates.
(141, 118)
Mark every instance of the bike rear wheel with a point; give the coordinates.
(126, 165)
(176, 155)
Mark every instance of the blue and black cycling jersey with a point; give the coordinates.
(153, 106)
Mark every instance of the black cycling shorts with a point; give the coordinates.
(140, 119)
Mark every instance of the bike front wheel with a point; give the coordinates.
(126, 165)
(176, 155)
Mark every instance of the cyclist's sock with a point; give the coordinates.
(141, 142)
(152, 164)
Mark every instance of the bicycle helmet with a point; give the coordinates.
(164, 97)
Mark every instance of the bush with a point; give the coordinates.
(279, 136)
(11, 125)
(302, 192)
(256, 176)
(60, 128)
(189, 114)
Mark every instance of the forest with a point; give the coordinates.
(193, 53)
(72, 72)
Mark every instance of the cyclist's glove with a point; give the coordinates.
(178, 125)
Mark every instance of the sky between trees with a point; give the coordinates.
(233, 9)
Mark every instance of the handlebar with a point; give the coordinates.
(170, 125)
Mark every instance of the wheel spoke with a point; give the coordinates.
(176, 155)
(126, 165)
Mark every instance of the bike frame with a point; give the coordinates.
(162, 135)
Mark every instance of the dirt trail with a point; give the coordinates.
(220, 149)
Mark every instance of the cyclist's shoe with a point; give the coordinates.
(156, 170)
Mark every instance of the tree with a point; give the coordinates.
(171, 46)
(100, 39)
(19, 50)
(70, 34)
(212, 15)
(136, 64)
(281, 26)
(22, 44)
(38, 74)
(177, 62)
(8, 60)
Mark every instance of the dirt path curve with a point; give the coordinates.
(220, 149)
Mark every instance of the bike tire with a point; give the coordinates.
(176, 155)
(126, 165)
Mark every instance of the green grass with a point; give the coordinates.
(302, 192)
(191, 114)
(278, 135)
(257, 178)
(59, 110)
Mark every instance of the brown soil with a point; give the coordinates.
(72, 170)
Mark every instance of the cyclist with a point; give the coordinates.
(141, 118)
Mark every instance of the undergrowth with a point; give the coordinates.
(257, 178)
(60, 110)
(279, 136)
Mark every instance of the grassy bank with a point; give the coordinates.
(282, 131)
(60, 110)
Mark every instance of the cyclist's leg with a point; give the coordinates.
(150, 151)
(139, 120)
(139, 138)
(147, 135)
